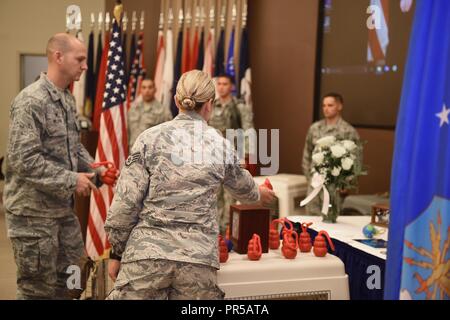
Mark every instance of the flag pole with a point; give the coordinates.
(100, 22)
(197, 16)
(124, 22)
(161, 21)
(142, 22)
(234, 14)
(118, 10)
(92, 22)
(222, 17)
(107, 21)
(134, 21)
(170, 22)
(245, 14)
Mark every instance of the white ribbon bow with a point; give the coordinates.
(318, 183)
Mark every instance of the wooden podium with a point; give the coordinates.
(245, 220)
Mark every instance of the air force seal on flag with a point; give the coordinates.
(427, 254)
(135, 157)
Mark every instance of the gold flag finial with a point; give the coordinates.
(245, 14)
(118, 10)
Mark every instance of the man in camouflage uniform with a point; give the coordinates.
(145, 112)
(332, 125)
(46, 165)
(162, 223)
(229, 113)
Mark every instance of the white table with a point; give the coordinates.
(275, 277)
(347, 229)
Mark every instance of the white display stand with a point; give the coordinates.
(275, 277)
(290, 189)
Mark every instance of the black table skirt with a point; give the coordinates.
(356, 264)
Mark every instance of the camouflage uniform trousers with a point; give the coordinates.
(165, 279)
(43, 250)
(224, 201)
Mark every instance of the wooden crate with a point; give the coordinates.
(246, 220)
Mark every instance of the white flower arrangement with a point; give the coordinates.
(318, 157)
(336, 171)
(349, 145)
(326, 141)
(336, 161)
(347, 163)
(337, 151)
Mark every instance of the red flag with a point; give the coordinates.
(186, 61)
(195, 51)
(137, 73)
(208, 64)
(159, 71)
(112, 143)
(101, 77)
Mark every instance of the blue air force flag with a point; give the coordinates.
(418, 265)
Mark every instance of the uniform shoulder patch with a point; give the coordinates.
(135, 157)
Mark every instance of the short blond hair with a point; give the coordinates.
(194, 89)
(60, 42)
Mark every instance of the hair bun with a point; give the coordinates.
(188, 103)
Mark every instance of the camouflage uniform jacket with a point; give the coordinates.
(341, 130)
(165, 205)
(143, 116)
(44, 152)
(234, 115)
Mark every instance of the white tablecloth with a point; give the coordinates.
(347, 230)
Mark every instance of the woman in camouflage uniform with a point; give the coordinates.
(162, 224)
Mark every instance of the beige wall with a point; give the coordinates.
(283, 38)
(378, 154)
(25, 27)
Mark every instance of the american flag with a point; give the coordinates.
(137, 73)
(112, 143)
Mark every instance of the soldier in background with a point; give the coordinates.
(229, 113)
(162, 223)
(145, 112)
(46, 166)
(331, 125)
